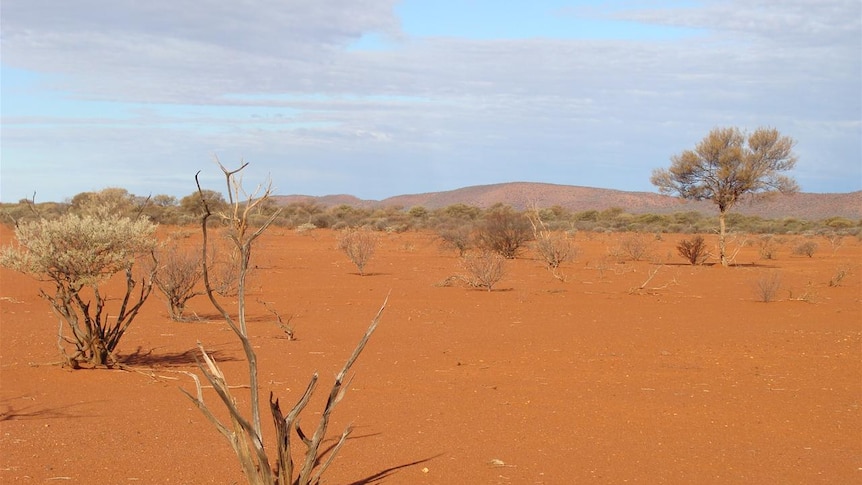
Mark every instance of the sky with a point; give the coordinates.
(377, 98)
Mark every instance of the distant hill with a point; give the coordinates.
(521, 195)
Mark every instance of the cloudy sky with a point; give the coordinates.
(381, 97)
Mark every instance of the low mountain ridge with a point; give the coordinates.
(521, 195)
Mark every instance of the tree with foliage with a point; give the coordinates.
(197, 202)
(727, 167)
(78, 253)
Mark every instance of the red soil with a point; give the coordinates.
(689, 380)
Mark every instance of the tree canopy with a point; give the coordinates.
(729, 165)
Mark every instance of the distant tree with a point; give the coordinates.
(164, 200)
(726, 167)
(112, 200)
(192, 203)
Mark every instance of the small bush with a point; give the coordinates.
(554, 248)
(767, 247)
(635, 247)
(176, 275)
(456, 236)
(806, 248)
(305, 227)
(484, 269)
(693, 250)
(840, 273)
(767, 286)
(359, 245)
(503, 231)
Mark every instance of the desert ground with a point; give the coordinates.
(606, 377)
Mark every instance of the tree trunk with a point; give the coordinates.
(722, 243)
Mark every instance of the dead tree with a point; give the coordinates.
(244, 434)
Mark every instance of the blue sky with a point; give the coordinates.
(377, 98)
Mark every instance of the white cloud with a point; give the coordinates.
(429, 113)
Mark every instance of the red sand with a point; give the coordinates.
(692, 380)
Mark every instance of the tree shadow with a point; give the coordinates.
(170, 359)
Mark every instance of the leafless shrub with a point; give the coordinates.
(767, 285)
(806, 248)
(807, 295)
(484, 269)
(244, 433)
(224, 267)
(177, 272)
(554, 247)
(634, 247)
(694, 250)
(840, 273)
(836, 241)
(601, 265)
(359, 245)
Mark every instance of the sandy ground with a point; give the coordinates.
(592, 380)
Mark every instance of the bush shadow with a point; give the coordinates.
(377, 477)
(151, 358)
(34, 412)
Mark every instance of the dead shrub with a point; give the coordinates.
(244, 432)
(484, 269)
(177, 274)
(635, 247)
(694, 250)
(840, 273)
(554, 247)
(359, 245)
(767, 285)
(835, 241)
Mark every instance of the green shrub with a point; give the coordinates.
(78, 252)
